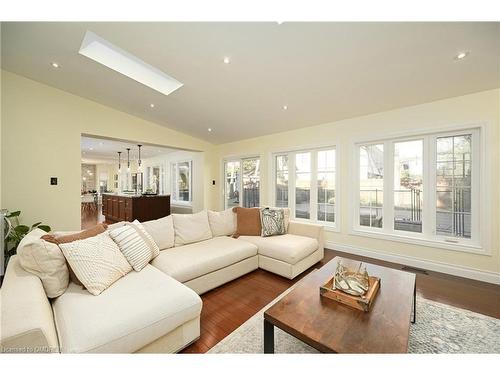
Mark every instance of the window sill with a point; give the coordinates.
(437, 243)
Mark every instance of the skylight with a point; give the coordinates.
(105, 53)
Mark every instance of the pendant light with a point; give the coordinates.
(128, 159)
(139, 162)
(119, 162)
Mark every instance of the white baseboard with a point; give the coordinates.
(467, 272)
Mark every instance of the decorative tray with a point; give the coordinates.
(363, 302)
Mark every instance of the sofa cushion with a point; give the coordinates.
(44, 259)
(247, 221)
(222, 223)
(97, 261)
(273, 221)
(288, 248)
(136, 244)
(75, 236)
(66, 237)
(162, 231)
(191, 228)
(286, 213)
(135, 311)
(191, 261)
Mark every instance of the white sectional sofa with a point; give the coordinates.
(154, 310)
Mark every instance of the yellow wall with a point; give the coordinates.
(477, 108)
(41, 130)
(40, 137)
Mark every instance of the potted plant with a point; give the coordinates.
(17, 233)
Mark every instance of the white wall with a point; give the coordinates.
(474, 109)
(198, 189)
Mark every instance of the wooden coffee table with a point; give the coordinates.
(332, 327)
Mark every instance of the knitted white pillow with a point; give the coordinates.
(136, 244)
(96, 261)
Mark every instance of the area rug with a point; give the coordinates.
(439, 329)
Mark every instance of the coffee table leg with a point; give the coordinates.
(268, 337)
(414, 319)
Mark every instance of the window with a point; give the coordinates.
(408, 185)
(326, 186)
(371, 185)
(303, 185)
(181, 182)
(424, 187)
(308, 177)
(453, 186)
(242, 182)
(281, 182)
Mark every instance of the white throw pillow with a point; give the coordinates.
(45, 260)
(96, 261)
(136, 244)
(222, 223)
(162, 231)
(191, 228)
(116, 225)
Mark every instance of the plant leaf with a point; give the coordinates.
(36, 225)
(46, 228)
(14, 214)
(22, 229)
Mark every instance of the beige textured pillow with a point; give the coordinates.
(222, 223)
(45, 260)
(162, 231)
(136, 244)
(191, 228)
(97, 262)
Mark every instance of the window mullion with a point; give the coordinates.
(475, 188)
(429, 185)
(313, 197)
(388, 204)
(291, 183)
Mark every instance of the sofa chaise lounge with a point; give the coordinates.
(154, 310)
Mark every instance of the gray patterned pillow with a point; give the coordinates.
(272, 221)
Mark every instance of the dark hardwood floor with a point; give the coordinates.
(91, 217)
(229, 306)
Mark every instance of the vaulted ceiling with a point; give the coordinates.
(321, 72)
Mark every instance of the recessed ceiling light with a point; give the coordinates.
(226, 60)
(461, 55)
(209, 129)
(91, 148)
(105, 53)
(152, 105)
(285, 107)
(55, 65)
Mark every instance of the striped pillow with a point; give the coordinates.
(136, 244)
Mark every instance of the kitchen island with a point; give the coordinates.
(129, 207)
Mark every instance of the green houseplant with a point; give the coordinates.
(17, 233)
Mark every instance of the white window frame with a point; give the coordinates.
(313, 215)
(480, 229)
(175, 186)
(239, 159)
